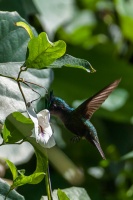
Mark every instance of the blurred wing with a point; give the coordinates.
(88, 107)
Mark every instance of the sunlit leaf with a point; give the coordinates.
(13, 169)
(42, 52)
(70, 61)
(35, 178)
(62, 195)
(16, 128)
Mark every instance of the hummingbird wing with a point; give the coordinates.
(88, 107)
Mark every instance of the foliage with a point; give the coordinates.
(41, 53)
(98, 31)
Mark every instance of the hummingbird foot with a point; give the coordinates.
(75, 138)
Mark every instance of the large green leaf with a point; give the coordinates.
(16, 128)
(13, 169)
(4, 189)
(42, 52)
(70, 61)
(13, 39)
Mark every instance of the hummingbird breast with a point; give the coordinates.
(80, 126)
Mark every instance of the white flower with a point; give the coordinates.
(42, 129)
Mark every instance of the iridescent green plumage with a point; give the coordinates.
(78, 120)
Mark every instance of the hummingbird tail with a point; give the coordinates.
(97, 144)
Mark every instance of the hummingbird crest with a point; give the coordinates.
(78, 120)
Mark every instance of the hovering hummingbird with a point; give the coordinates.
(78, 120)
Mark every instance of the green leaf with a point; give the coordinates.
(17, 127)
(39, 173)
(62, 195)
(26, 27)
(42, 52)
(42, 160)
(70, 61)
(73, 193)
(4, 189)
(34, 178)
(13, 169)
(14, 40)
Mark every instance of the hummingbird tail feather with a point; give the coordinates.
(97, 144)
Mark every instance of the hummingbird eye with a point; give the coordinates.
(54, 105)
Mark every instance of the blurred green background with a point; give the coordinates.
(100, 31)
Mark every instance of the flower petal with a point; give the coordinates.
(33, 116)
(42, 129)
(46, 138)
(45, 114)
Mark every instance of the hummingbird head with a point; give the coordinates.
(55, 104)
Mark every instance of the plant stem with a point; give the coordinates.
(18, 81)
(21, 92)
(36, 85)
(8, 77)
(48, 183)
(33, 91)
(21, 80)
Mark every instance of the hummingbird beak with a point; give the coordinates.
(97, 144)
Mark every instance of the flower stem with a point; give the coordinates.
(48, 183)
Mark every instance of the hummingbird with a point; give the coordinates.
(77, 120)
